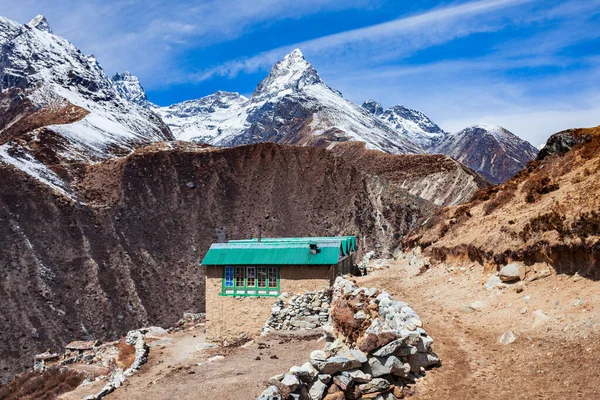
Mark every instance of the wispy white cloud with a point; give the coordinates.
(384, 40)
(150, 36)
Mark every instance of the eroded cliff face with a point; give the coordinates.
(548, 213)
(127, 251)
(436, 178)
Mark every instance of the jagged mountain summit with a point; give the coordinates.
(41, 23)
(493, 151)
(291, 105)
(58, 105)
(128, 86)
(413, 124)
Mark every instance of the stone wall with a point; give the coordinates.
(375, 347)
(307, 311)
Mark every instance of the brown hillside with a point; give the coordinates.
(433, 177)
(549, 212)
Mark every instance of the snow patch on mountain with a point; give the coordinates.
(222, 114)
(28, 164)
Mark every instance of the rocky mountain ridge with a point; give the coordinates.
(59, 107)
(292, 105)
(134, 232)
(413, 124)
(491, 150)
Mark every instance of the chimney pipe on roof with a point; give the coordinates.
(259, 233)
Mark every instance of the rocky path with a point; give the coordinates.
(554, 356)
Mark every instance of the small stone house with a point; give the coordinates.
(244, 277)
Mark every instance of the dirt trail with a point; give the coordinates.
(557, 359)
(172, 371)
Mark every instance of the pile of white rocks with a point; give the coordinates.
(307, 311)
(375, 346)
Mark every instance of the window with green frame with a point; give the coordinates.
(250, 281)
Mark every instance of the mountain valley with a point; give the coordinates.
(109, 203)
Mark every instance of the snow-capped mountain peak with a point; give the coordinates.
(491, 150)
(41, 23)
(374, 107)
(291, 105)
(74, 100)
(129, 87)
(291, 73)
(496, 132)
(412, 124)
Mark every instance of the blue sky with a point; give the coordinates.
(532, 66)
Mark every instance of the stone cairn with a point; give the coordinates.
(375, 346)
(307, 311)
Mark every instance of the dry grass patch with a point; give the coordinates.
(126, 355)
(45, 385)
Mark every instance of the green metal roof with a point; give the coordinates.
(271, 253)
(347, 243)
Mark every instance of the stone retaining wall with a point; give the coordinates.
(118, 376)
(307, 311)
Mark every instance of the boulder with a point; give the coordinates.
(357, 375)
(291, 381)
(376, 385)
(424, 345)
(400, 346)
(377, 367)
(507, 338)
(335, 364)
(360, 315)
(305, 372)
(271, 393)
(373, 341)
(397, 367)
(422, 360)
(320, 355)
(510, 272)
(317, 390)
(390, 348)
(343, 382)
(359, 355)
(493, 282)
(541, 319)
